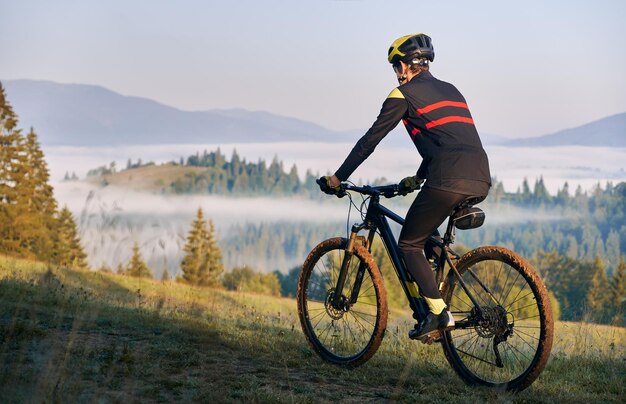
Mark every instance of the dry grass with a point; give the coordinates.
(148, 178)
(68, 336)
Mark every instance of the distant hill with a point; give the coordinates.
(86, 115)
(609, 131)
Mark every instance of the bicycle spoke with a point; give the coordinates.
(518, 293)
(531, 293)
(524, 307)
(363, 317)
(513, 284)
(528, 318)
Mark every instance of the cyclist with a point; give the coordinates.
(454, 163)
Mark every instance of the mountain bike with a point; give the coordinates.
(504, 327)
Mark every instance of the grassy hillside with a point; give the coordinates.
(71, 336)
(148, 178)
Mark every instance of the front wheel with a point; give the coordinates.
(504, 341)
(346, 329)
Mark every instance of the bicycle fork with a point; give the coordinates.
(338, 300)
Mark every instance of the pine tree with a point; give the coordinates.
(618, 294)
(562, 196)
(613, 252)
(137, 267)
(541, 194)
(598, 293)
(36, 200)
(202, 264)
(68, 251)
(526, 194)
(193, 261)
(211, 272)
(11, 173)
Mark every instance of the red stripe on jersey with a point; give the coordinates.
(414, 132)
(449, 119)
(441, 104)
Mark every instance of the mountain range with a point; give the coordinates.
(87, 115)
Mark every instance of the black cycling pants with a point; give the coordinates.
(429, 209)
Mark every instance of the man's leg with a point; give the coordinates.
(429, 209)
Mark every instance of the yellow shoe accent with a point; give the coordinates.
(436, 306)
(413, 289)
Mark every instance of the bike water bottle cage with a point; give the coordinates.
(468, 218)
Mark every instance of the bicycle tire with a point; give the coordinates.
(356, 334)
(528, 316)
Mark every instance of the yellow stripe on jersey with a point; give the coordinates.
(395, 93)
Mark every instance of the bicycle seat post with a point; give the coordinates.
(449, 235)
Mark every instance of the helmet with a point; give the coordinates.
(410, 47)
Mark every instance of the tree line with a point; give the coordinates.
(239, 177)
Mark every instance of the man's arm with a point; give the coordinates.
(393, 109)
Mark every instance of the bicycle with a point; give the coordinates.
(504, 327)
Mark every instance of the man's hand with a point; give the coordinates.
(330, 185)
(409, 184)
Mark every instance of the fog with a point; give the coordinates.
(111, 219)
(578, 165)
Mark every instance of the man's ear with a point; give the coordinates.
(405, 67)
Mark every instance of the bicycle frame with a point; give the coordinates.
(376, 218)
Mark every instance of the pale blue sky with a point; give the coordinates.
(526, 68)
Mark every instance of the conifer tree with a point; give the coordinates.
(137, 267)
(618, 294)
(202, 264)
(67, 248)
(37, 206)
(11, 173)
(211, 272)
(194, 250)
(598, 294)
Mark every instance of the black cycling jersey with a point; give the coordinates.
(439, 122)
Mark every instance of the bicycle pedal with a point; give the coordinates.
(428, 339)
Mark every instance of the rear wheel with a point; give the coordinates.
(505, 340)
(349, 329)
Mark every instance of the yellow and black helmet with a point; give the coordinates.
(409, 47)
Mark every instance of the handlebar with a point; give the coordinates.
(387, 191)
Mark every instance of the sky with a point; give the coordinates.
(526, 68)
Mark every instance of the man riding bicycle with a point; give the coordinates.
(454, 163)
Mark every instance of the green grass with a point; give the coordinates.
(69, 336)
